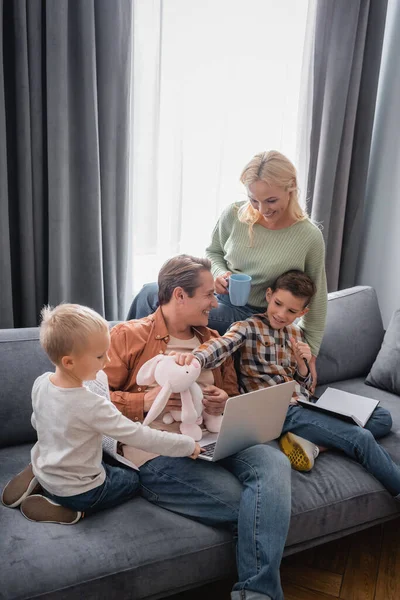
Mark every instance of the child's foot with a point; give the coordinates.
(299, 451)
(40, 508)
(20, 487)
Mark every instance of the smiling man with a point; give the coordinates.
(249, 491)
(186, 296)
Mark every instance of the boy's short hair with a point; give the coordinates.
(297, 283)
(180, 271)
(66, 329)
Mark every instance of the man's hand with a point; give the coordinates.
(302, 353)
(149, 398)
(214, 400)
(174, 402)
(221, 283)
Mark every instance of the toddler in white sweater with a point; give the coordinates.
(67, 477)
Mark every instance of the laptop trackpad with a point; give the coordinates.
(208, 438)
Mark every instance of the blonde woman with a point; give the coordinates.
(264, 236)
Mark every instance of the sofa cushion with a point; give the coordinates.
(22, 360)
(385, 372)
(136, 550)
(347, 351)
(339, 494)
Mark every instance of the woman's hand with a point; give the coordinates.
(221, 283)
(214, 399)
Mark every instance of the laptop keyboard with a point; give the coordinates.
(209, 449)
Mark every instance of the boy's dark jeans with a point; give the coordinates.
(120, 484)
(356, 442)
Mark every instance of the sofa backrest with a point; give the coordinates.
(21, 361)
(353, 335)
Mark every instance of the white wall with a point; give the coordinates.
(379, 265)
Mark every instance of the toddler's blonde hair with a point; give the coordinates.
(67, 328)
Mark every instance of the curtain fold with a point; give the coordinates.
(380, 248)
(339, 99)
(65, 74)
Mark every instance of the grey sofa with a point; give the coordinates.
(140, 551)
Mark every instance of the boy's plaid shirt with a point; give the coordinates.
(266, 355)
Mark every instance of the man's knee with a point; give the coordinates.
(266, 458)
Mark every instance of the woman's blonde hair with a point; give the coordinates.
(67, 328)
(274, 169)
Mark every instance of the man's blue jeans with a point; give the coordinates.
(248, 492)
(146, 302)
(356, 442)
(121, 484)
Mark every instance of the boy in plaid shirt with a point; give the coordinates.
(272, 351)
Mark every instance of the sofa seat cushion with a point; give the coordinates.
(136, 550)
(339, 494)
(115, 553)
(336, 498)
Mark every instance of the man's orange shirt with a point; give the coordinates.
(135, 342)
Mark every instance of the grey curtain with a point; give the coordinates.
(64, 121)
(341, 70)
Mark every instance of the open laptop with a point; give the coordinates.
(249, 419)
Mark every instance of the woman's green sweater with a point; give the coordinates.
(272, 252)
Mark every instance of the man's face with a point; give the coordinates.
(284, 308)
(196, 309)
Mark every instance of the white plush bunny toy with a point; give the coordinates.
(174, 378)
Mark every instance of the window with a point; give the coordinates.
(214, 82)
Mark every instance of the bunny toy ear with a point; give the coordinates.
(159, 404)
(146, 372)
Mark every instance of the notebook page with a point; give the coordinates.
(349, 404)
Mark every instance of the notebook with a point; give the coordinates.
(343, 405)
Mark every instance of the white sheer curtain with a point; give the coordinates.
(214, 82)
